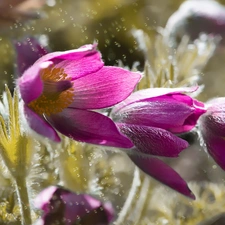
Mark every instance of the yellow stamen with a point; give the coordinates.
(52, 100)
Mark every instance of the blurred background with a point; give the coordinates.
(71, 23)
(68, 24)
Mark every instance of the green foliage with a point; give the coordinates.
(168, 67)
(15, 145)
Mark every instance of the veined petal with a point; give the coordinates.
(90, 127)
(107, 87)
(175, 112)
(74, 54)
(81, 67)
(164, 112)
(153, 141)
(198, 110)
(40, 126)
(87, 61)
(163, 173)
(153, 92)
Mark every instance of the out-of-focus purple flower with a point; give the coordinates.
(195, 17)
(63, 207)
(151, 118)
(61, 89)
(28, 51)
(212, 130)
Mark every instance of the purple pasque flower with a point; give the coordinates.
(61, 89)
(211, 127)
(63, 207)
(152, 118)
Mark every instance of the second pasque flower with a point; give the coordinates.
(212, 130)
(152, 118)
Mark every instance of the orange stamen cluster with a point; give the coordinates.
(52, 101)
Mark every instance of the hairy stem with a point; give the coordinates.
(137, 211)
(136, 183)
(23, 199)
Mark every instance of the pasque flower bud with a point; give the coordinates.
(152, 118)
(212, 130)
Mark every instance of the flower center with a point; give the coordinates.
(57, 92)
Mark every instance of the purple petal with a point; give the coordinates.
(163, 173)
(39, 125)
(153, 141)
(44, 198)
(174, 112)
(153, 92)
(212, 129)
(107, 87)
(214, 119)
(87, 61)
(191, 121)
(74, 54)
(28, 51)
(90, 127)
(30, 84)
(215, 122)
(216, 148)
(81, 67)
(164, 112)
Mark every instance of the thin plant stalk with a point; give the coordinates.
(23, 199)
(133, 190)
(135, 214)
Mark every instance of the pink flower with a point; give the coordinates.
(61, 89)
(212, 130)
(61, 206)
(152, 118)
